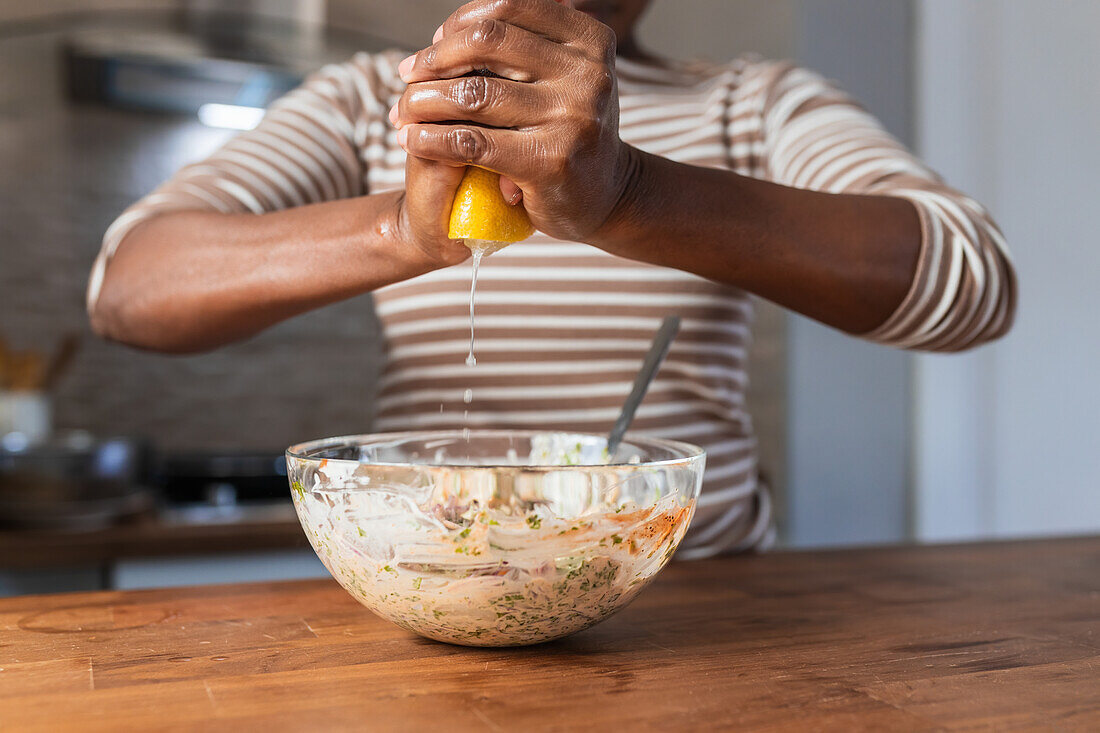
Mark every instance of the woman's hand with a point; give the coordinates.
(548, 120)
(423, 212)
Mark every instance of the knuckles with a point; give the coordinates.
(506, 8)
(588, 115)
(604, 41)
(487, 35)
(426, 58)
(472, 94)
(600, 80)
(468, 145)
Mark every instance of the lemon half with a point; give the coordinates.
(482, 217)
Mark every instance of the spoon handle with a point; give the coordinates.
(657, 352)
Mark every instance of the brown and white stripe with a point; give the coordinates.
(562, 326)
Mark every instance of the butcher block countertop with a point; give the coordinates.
(978, 637)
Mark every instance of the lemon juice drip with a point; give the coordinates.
(479, 251)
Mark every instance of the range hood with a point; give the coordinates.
(224, 66)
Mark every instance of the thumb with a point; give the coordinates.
(429, 194)
(511, 192)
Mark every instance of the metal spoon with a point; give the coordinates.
(657, 352)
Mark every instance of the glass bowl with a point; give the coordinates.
(494, 538)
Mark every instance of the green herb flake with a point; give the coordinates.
(298, 489)
(534, 521)
(417, 582)
(388, 569)
(616, 539)
(361, 532)
(465, 533)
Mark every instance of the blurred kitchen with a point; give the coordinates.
(124, 469)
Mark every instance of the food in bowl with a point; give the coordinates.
(498, 538)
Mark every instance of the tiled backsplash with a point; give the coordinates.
(65, 175)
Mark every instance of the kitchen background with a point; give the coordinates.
(861, 444)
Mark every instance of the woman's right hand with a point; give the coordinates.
(424, 212)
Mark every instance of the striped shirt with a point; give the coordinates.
(563, 327)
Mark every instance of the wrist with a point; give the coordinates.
(417, 252)
(634, 186)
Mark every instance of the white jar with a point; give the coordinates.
(26, 413)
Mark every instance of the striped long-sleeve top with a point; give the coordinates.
(563, 326)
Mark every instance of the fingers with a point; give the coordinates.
(504, 151)
(504, 49)
(480, 99)
(439, 31)
(429, 193)
(511, 192)
(553, 20)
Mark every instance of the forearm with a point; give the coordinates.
(844, 260)
(193, 280)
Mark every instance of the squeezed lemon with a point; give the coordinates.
(486, 223)
(482, 218)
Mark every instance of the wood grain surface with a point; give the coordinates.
(982, 637)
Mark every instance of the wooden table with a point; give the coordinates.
(999, 636)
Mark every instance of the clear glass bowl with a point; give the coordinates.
(494, 538)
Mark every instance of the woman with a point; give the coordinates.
(657, 188)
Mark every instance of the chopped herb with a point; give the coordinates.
(298, 489)
(465, 533)
(534, 521)
(417, 582)
(616, 539)
(361, 532)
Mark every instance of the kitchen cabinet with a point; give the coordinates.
(151, 551)
(237, 567)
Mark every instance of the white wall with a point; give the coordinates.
(720, 29)
(1007, 441)
(848, 418)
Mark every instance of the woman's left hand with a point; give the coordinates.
(548, 120)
